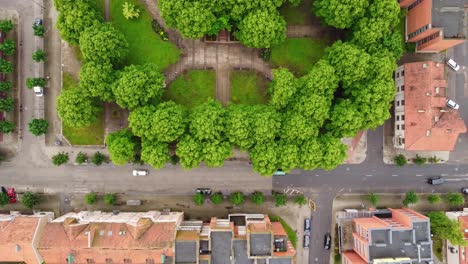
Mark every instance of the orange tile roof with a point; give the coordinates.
(353, 258)
(16, 238)
(423, 105)
(259, 228)
(278, 229)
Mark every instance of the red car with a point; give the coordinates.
(11, 193)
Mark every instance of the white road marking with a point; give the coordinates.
(418, 175)
(369, 175)
(443, 174)
(316, 175)
(394, 175)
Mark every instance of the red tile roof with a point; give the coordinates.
(16, 238)
(429, 125)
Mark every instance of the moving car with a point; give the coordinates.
(327, 241)
(204, 191)
(452, 64)
(307, 225)
(435, 180)
(38, 90)
(306, 242)
(452, 104)
(140, 172)
(279, 172)
(464, 190)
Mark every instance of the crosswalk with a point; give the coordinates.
(79, 184)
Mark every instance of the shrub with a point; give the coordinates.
(433, 159)
(258, 198)
(433, 199)
(217, 198)
(81, 158)
(90, 198)
(4, 199)
(199, 199)
(39, 55)
(410, 198)
(7, 104)
(237, 198)
(110, 199)
(38, 126)
(31, 82)
(130, 11)
(266, 54)
(8, 47)
(30, 200)
(38, 30)
(159, 30)
(5, 86)
(280, 199)
(419, 160)
(98, 158)
(7, 126)
(300, 200)
(455, 199)
(5, 66)
(6, 26)
(400, 160)
(60, 158)
(373, 199)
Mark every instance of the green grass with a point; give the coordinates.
(91, 135)
(296, 15)
(298, 54)
(292, 236)
(192, 88)
(437, 245)
(248, 87)
(145, 45)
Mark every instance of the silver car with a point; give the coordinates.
(140, 173)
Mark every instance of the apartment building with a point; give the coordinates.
(423, 122)
(433, 25)
(398, 236)
(458, 254)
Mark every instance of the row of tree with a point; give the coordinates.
(7, 104)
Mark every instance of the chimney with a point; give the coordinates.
(424, 65)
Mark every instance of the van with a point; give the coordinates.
(38, 91)
(306, 241)
(435, 180)
(307, 225)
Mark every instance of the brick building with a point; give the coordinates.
(399, 236)
(433, 25)
(423, 122)
(459, 254)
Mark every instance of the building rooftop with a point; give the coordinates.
(240, 252)
(448, 14)
(221, 247)
(186, 252)
(260, 244)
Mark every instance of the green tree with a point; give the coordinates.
(419, 160)
(280, 199)
(5, 86)
(5, 66)
(300, 200)
(238, 129)
(283, 88)
(74, 18)
(138, 86)
(38, 126)
(39, 55)
(6, 126)
(194, 21)
(81, 158)
(90, 198)
(7, 104)
(207, 121)
(198, 199)
(334, 152)
(76, 109)
(262, 29)
(39, 30)
(155, 153)
(237, 198)
(289, 156)
(445, 228)
(267, 123)
(122, 146)
(455, 199)
(296, 126)
(311, 154)
(97, 79)
(98, 158)
(104, 44)
(258, 198)
(400, 160)
(60, 158)
(189, 150)
(215, 152)
(264, 158)
(32, 82)
(434, 199)
(8, 47)
(373, 199)
(345, 120)
(4, 199)
(130, 11)
(6, 25)
(110, 198)
(217, 198)
(29, 200)
(340, 14)
(410, 198)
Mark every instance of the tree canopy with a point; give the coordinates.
(76, 108)
(340, 13)
(155, 153)
(122, 146)
(445, 228)
(98, 79)
(207, 121)
(262, 29)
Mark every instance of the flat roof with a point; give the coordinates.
(186, 252)
(448, 14)
(221, 247)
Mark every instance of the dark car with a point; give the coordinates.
(435, 180)
(307, 225)
(327, 241)
(464, 190)
(38, 22)
(204, 191)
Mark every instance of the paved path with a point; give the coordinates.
(223, 84)
(107, 10)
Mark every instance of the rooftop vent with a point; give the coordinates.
(428, 133)
(448, 131)
(424, 65)
(109, 233)
(122, 233)
(102, 232)
(436, 119)
(437, 90)
(428, 94)
(17, 248)
(437, 64)
(421, 111)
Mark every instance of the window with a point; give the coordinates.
(108, 261)
(402, 117)
(397, 103)
(402, 88)
(402, 73)
(398, 127)
(403, 127)
(90, 261)
(402, 102)
(397, 118)
(149, 261)
(397, 74)
(127, 261)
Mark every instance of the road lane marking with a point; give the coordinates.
(443, 174)
(369, 175)
(394, 175)
(419, 175)
(316, 175)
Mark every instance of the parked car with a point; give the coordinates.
(38, 90)
(435, 180)
(38, 22)
(306, 242)
(140, 172)
(279, 172)
(11, 192)
(452, 104)
(327, 241)
(307, 225)
(204, 191)
(452, 64)
(464, 190)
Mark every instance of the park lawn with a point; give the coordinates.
(91, 135)
(296, 15)
(192, 88)
(298, 54)
(248, 87)
(145, 45)
(292, 236)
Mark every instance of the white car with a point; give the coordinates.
(452, 104)
(38, 91)
(453, 64)
(140, 173)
